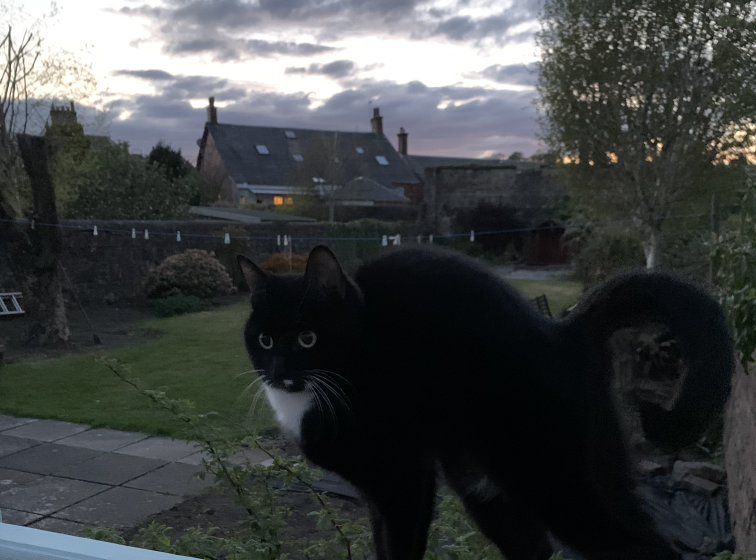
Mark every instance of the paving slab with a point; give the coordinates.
(175, 478)
(62, 526)
(118, 507)
(18, 517)
(47, 458)
(48, 494)
(194, 459)
(102, 439)
(110, 468)
(8, 422)
(10, 445)
(10, 478)
(255, 456)
(162, 448)
(46, 430)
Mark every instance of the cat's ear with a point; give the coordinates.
(256, 279)
(324, 271)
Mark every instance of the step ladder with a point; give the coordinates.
(9, 305)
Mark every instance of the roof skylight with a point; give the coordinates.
(382, 160)
(262, 149)
(290, 134)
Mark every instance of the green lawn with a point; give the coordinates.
(560, 293)
(199, 357)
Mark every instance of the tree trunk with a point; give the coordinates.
(651, 248)
(740, 460)
(36, 252)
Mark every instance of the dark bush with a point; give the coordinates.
(279, 262)
(193, 273)
(603, 252)
(177, 304)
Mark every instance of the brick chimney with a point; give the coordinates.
(212, 112)
(62, 116)
(377, 121)
(402, 142)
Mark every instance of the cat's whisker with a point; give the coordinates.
(249, 387)
(257, 398)
(310, 388)
(332, 410)
(331, 375)
(238, 375)
(328, 372)
(337, 391)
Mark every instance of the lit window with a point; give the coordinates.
(290, 134)
(298, 157)
(382, 160)
(262, 149)
(242, 200)
(359, 150)
(277, 200)
(289, 200)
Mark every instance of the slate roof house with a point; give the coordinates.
(261, 164)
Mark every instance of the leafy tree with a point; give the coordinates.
(71, 160)
(516, 156)
(645, 94)
(177, 170)
(31, 76)
(123, 186)
(171, 162)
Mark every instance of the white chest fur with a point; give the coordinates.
(290, 408)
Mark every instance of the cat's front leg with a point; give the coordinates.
(400, 500)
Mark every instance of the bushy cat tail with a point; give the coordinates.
(699, 326)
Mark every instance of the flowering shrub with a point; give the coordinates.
(279, 262)
(193, 273)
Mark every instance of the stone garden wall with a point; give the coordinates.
(112, 266)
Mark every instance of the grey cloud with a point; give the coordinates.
(464, 28)
(336, 69)
(517, 74)
(227, 48)
(149, 75)
(182, 24)
(502, 121)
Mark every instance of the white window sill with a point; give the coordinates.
(25, 543)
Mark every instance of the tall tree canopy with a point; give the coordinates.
(123, 186)
(643, 93)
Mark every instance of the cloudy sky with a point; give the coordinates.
(457, 75)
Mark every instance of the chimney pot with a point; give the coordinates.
(62, 116)
(377, 121)
(402, 143)
(212, 112)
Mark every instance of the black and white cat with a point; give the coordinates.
(427, 362)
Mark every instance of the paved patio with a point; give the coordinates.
(65, 477)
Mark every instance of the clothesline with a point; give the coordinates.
(286, 239)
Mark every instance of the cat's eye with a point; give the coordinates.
(307, 339)
(265, 341)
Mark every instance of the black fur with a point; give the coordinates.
(435, 363)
